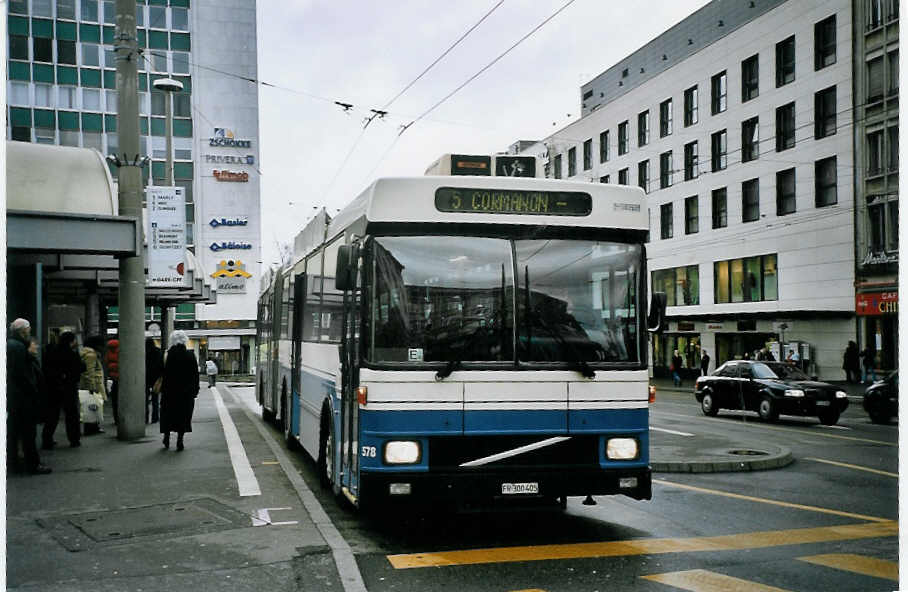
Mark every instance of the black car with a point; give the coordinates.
(769, 388)
(881, 399)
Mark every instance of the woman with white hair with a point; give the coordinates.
(179, 389)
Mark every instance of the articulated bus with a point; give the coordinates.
(466, 339)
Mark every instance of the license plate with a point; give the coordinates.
(822, 403)
(519, 488)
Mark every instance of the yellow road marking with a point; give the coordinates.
(868, 566)
(700, 580)
(730, 542)
(758, 424)
(270, 462)
(771, 502)
(856, 467)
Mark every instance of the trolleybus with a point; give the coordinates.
(466, 339)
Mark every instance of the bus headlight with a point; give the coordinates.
(621, 449)
(402, 452)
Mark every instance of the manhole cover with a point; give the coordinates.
(748, 452)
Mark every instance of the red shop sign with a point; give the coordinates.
(878, 303)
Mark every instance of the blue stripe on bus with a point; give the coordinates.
(411, 423)
(516, 421)
(593, 421)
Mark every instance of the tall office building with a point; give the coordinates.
(737, 123)
(62, 90)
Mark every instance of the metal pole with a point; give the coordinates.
(167, 311)
(131, 421)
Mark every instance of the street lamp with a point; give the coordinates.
(168, 86)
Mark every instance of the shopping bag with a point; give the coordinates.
(90, 410)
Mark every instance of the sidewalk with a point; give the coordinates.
(117, 516)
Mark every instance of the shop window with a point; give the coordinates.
(751, 279)
(825, 182)
(665, 118)
(643, 128)
(622, 138)
(691, 161)
(680, 284)
(665, 170)
(603, 146)
(750, 78)
(750, 139)
(785, 61)
(691, 100)
(824, 43)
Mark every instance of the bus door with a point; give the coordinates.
(350, 381)
(299, 297)
(275, 362)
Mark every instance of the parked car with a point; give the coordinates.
(769, 388)
(881, 399)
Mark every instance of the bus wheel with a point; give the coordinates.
(292, 443)
(326, 445)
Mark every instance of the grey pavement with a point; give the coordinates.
(133, 516)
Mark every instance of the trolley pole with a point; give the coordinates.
(131, 420)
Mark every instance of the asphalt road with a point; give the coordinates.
(824, 522)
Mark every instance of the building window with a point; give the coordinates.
(66, 97)
(785, 192)
(643, 128)
(691, 100)
(750, 200)
(785, 61)
(179, 19)
(825, 182)
(45, 135)
(875, 153)
(18, 93)
(893, 12)
(603, 146)
(719, 94)
(785, 127)
(605, 179)
(893, 57)
(557, 166)
(20, 133)
(66, 52)
(111, 101)
(89, 10)
(44, 96)
(874, 14)
(18, 47)
(91, 99)
(572, 161)
(622, 138)
(666, 222)
(691, 161)
(750, 139)
(894, 149)
(751, 279)
(643, 175)
(18, 7)
(622, 177)
(665, 169)
(875, 82)
(43, 49)
(692, 214)
(66, 9)
(588, 154)
(158, 60)
(719, 150)
(720, 208)
(182, 105)
(69, 138)
(824, 43)
(750, 78)
(883, 223)
(180, 61)
(110, 12)
(90, 56)
(680, 284)
(665, 118)
(157, 17)
(824, 113)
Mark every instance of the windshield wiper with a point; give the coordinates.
(454, 364)
(578, 363)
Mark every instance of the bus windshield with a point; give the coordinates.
(456, 299)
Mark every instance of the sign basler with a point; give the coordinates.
(166, 208)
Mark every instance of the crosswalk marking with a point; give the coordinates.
(868, 566)
(700, 580)
(734, 542)
(856, 467)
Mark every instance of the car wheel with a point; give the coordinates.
(829, 417)
(767, 409)
(708, 405)
(877, 416)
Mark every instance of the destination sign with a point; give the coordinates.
(513, 201)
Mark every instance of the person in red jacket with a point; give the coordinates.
(112, 363)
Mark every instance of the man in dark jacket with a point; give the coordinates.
(22, 405)
(62, 369)
(154, 369)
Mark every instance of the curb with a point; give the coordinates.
(724, 462)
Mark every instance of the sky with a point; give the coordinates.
(312, 53)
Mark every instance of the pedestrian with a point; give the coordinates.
(112, 364)
(211, 369)
(92, 379)
(868, 364)
(746, 355)
(704, 363)
(154, 370)
(851, 363)
(22, 404)
(676, 368)
(179, 389)
(62, 369)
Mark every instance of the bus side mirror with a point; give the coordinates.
(655, 323)
(344, 273)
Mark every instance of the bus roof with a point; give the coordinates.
(413, 199)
